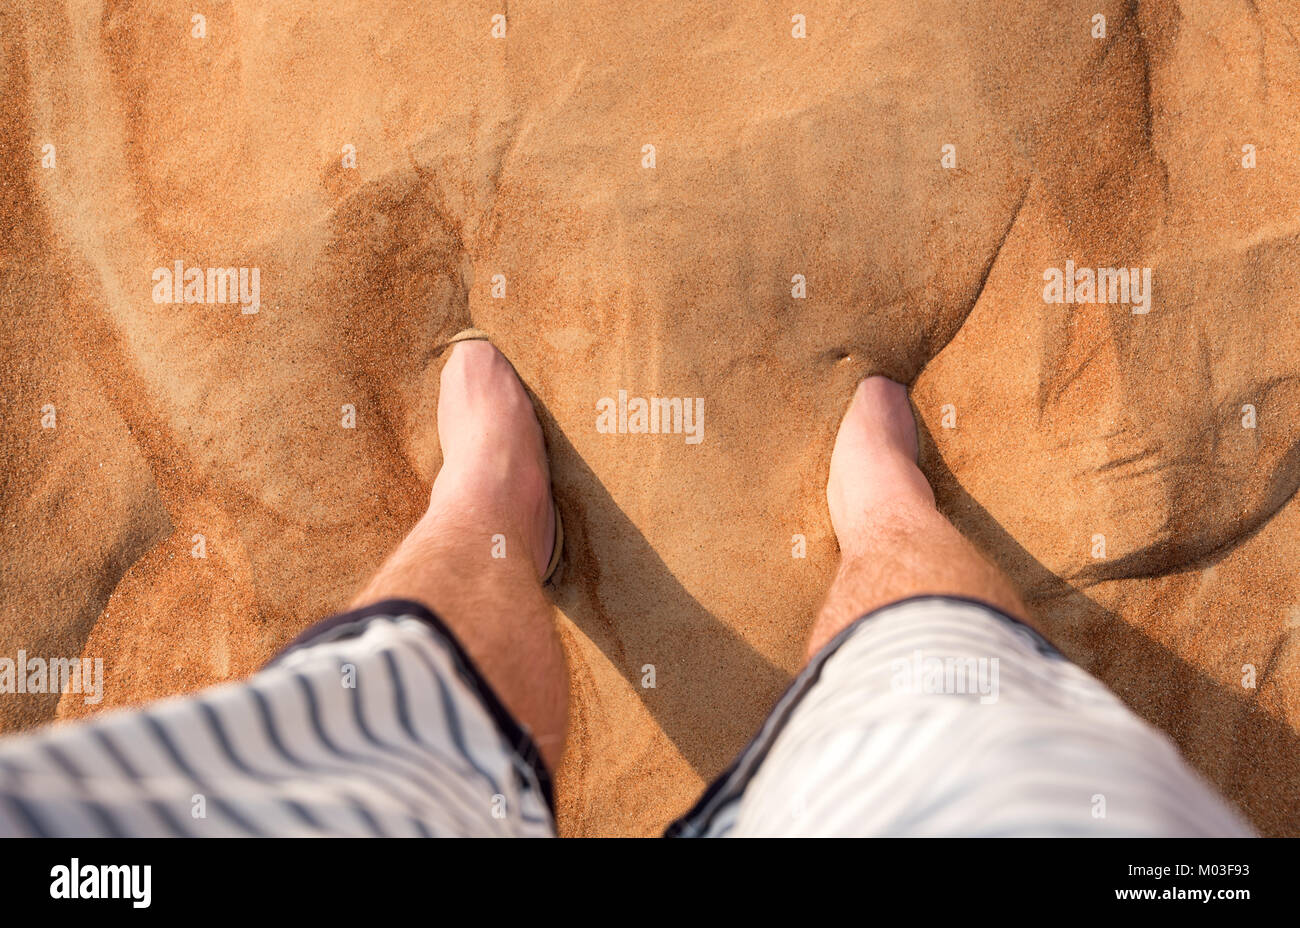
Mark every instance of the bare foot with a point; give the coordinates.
(894, 543)
(494, 480)
(873, 466)
(493, 453)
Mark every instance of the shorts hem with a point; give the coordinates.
(353, 622)
(730, 785)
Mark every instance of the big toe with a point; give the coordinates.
(881, 416)
(873, 466)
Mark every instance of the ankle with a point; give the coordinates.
(502, 507)
(895, 498)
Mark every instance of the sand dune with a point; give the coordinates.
(184, 425)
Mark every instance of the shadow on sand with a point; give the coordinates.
(1239, 747)
(707, 672)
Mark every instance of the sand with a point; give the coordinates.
(774, 156)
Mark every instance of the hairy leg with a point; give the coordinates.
(494, 481)
(894, 543)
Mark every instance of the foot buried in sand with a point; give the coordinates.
(494, 454)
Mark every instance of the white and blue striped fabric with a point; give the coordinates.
(939, 716)
(933, 716)
(376, 727)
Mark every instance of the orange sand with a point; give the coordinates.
(775, 156)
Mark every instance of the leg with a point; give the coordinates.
(375, 722)
(494, 481)
(921, 712)
(893, 542)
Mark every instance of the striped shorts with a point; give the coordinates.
(931, 716)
